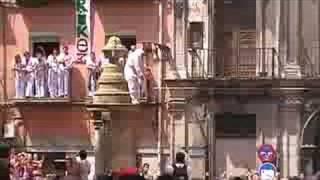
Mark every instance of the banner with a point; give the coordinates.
(83, 27)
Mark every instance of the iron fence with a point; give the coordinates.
(309, 62)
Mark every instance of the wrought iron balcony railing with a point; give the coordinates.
(240, 63)
(309, 62)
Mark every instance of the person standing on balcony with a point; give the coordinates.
(94, 70)
(53, 74)
(30, 64)
(19, 76)
(65, 61)
(134, 74)
(41, 69)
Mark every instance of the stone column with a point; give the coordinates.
(210, 31)
(178, 127)
(98, 148)
(212, 146)
(293, 17)
(290, 114)
(102, 155)
(107, 150)
(180, 36)
(267, 29)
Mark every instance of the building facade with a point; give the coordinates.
(239, 75)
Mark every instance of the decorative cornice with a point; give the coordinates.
(292, 100)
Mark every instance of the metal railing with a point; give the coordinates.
(309, 62)
(233, 63)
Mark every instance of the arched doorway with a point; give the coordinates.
(310, 144)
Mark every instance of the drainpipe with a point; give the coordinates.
(4, 68)
(160, 88)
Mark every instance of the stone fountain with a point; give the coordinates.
(112, 95)
(112, 87)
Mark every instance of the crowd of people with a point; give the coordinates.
(49, 76)
(25, 166)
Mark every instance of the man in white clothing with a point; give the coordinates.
(19, 76)
(85, 165)
(133, 72)
(53, 74)
(94, 69)
(65, 64)
(41, 69)
(30, 64)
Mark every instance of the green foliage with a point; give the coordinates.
(32, 3)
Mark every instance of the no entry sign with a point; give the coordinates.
(266, 153)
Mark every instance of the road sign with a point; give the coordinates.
(266, 153)
(267, 171)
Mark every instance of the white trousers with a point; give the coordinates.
(134, 89)
(30, 85)
(40, 86)
(20, 87)
(92, 82)
(53, 83)
(63, 82)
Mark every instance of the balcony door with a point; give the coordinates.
(239, 54)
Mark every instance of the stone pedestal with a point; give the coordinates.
(290, 115)
(291, 71)
(103, 142)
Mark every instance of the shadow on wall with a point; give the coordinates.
(12, 23)
(79, 82)
(69, 125)
(132, 131)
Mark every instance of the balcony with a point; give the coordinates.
(233, 63)
(309, 62)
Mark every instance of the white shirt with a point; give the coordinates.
(53, 63)
(134, 65)
(19, 69)
(41, 67)
(104, 60)
(93, 65)
(67, 59)
(30, 65)
(85, 167)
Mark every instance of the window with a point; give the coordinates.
(235, 125)
(47, 46)
(126, 40)
(196, 35)
(47, 42)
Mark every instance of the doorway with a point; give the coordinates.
(47, 46)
